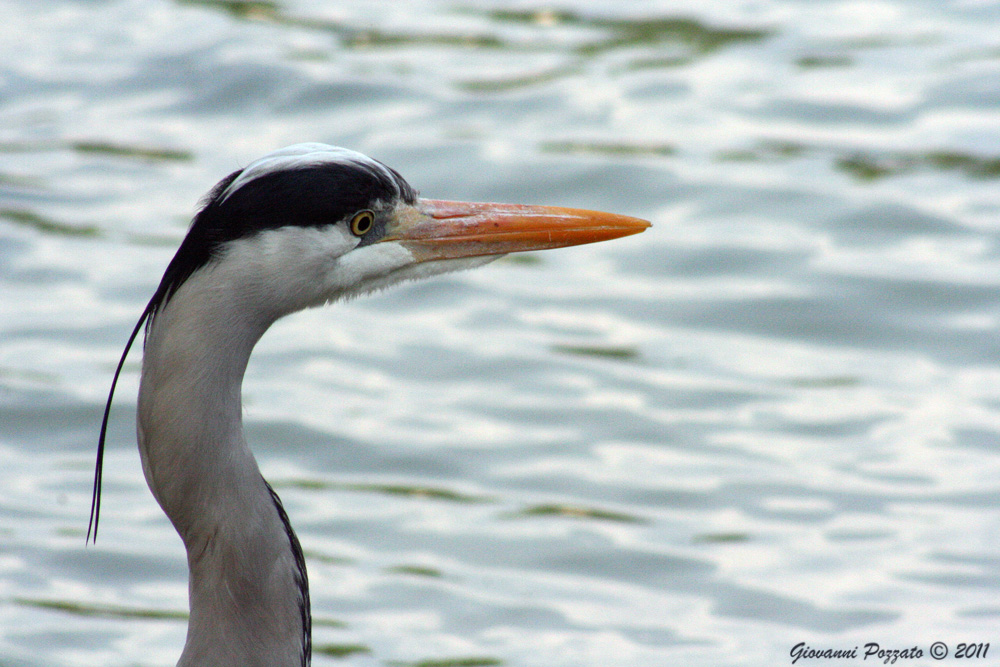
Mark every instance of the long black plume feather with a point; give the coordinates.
(95, 502)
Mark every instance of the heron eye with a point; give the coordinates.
(362, 222)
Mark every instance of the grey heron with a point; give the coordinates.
(301, 227)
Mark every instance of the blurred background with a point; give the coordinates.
(773, 418)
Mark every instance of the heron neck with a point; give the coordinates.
(248, 589)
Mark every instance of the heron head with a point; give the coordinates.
(313, 223)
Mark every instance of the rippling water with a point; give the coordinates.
(771, 419)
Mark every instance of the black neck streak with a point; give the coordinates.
(301, 577)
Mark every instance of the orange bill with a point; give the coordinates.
(435, 229)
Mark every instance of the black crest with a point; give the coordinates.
(303, 196)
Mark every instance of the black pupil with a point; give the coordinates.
(362, 223)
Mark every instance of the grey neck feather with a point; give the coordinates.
(248, 588)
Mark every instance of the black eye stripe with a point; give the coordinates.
(309, 196)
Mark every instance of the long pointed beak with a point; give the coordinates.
(435, 229)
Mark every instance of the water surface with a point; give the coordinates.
(772, 418)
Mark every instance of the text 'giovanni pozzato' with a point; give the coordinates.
(888, 656)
